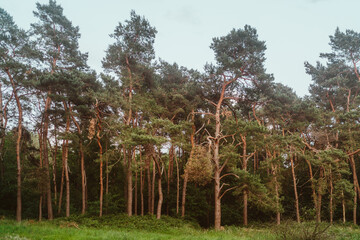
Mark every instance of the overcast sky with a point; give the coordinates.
(295, 31)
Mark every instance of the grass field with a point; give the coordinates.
(121, 227)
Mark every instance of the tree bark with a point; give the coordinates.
(343, 207)
(183, 200)
(66, 167)
(153, 188)
(148, 183)
(331, 198)
(245, 211)
(312, 184)
(82, 163)
(160, 201)
(355, 181)
(46, 157)
(18, 148)
(62, 177)
(129, 184)
(319, 198)
(295, 190)
(177, 185)
(142, 178)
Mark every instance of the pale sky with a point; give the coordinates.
(295, 31)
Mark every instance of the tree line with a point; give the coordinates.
(222, 146)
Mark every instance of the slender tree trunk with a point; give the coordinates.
(136, 194)
(312, 184)
(83, 178)
(186, 174)
(295, 190)
(129, 184)
(245, 191)
(177, 186)
(101, 175)
(169, 177)
(40, 166)
(46, 157)
(343, 206)
(245, 211)
(98, 138)
(355, 181)
(62, 177)
(54, 164)
(18, 148)
(160, 201)
(82, 163)
(183, 200)
(142, 178)
(153, 188)
(107, 179)
(2, 134)
(149, 183)
(331, 199)
(278, 215)
(319, 198)
(67, 169)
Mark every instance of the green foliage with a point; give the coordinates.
(304, 231)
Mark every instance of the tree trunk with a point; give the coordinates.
(148, 183)
(245, 211)
(319, 197)
(343, 206)
(129, 184)
(183, 200)
(245, 191)
(136, 193)
(62, 177)
(142, 178)
(153, 188)
(331, 199)
(82, 163)
(107, 180)
(177, 186)
(278, 215)
(67, 169)
(160, 201)
(312, 184)
(83, 177)
(18, 148)
(169, 177)
(295, 189)
(101, 175)
(40, 166)
(46, 157)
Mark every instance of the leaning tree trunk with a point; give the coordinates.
(295, 190)
(355, 181)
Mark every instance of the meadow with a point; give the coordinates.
(123, 227)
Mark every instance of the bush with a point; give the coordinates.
(304, 231)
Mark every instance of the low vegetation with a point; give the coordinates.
(123, 227)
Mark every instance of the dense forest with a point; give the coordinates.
(228, 145)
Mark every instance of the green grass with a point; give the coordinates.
(122, 227)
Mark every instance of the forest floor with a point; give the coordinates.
(167, 228)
